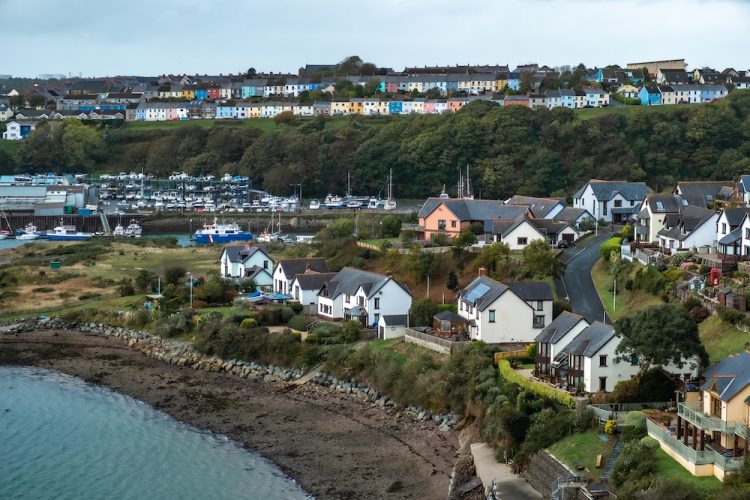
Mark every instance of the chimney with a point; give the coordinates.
(482, 271)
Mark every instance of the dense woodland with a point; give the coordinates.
(509, 150)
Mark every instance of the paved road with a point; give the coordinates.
(577, 283)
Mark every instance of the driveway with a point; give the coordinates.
(577, 284)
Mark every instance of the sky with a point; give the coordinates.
(153, 37)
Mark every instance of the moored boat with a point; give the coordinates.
(221, 233)
(67, 233)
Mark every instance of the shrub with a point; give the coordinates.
(649, 279)
(699, 314)
(173, 275)
(650, 442)
(126, 290)
(609, 247)
(542, 390)
(296, 307)
(199, 304)
(656, 385)
(531, 351)
(285, 314)
(248, 323)
(610, 427)
(731, 316)
(298, 323)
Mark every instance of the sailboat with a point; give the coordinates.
(269, 234)
(464, 186)
(390, 203)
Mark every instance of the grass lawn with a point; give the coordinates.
(581, 449)
(589, 113)
(667, 468)
(380, 241)
(721, 339)
(627, 303)
(401, 350)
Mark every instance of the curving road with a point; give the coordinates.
(577, 284)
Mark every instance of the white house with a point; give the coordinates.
(6, 113)
(391, 326)
(692, 228)
(353, 294)
(496, 313)
(305, 288)
(573, 216)
(243, 261)
(730, 219)
(554, 338)
(286, 270)
(613, 201)
(653, 213)
(518, 234)
(592, 363)
(539, 208)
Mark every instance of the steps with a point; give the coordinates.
(611, 461)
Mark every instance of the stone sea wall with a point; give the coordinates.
(179, 353)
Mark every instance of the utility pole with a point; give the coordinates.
(428, 286)
(614, 296)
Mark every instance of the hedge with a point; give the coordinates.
(609, 247)
(537, 388)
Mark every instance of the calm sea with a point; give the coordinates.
(61, 438)
(183, 240)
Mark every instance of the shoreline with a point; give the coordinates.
(351, 448)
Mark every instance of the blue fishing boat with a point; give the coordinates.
(221, 233)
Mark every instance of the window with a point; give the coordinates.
(723, 227)
(618, 203)
(491, 316)
(540, 305)
(265, 264)
(441, 225)
(538, 321)
(453, 223)
(361, 301)
(376, 318)
(603, 384)
(634, 360)
(604, 207)
(347, 298)
(523, 241)
(603, 360)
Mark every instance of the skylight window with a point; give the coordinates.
(659, 206)
(477, 293)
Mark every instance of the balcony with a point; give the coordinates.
(695, 416)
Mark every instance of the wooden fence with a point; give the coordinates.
(434, 343)
(509, 355)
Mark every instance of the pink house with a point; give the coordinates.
(430, 107)
(172, 114)
(455, 104)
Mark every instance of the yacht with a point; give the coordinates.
(333, 201)
(354, 204)
(373, 203)
(119, 231)
(314, 204)
(133, 230)
(221, 233)
(390, 203)
(29, 233)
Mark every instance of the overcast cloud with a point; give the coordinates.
(149, 37)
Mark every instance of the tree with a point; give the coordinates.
(173, 275)
(493, 257)
(421, 312)
(145, 280)
(390, 226)
(660, 335)
(541, 261)
(82, 145)
(452, 283)
(285, 118)
(465, 238)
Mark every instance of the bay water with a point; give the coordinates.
(61, 438)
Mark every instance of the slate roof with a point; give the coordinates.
(255, 271)
(669, 203)
(449, 316)
(494, 291)
(571, 215)
(531, 290)
(539, 207)
(394, 319)
(313, 281)
(731, 237)
(590, 340)
(349, 280)
(744, 184)
(605, 190)
(731, 376)
(240, 253)
(734, 216)
(708, 190)
(680, 225)
(559, 327)
(293, 267)
(474, 210)
(548, 226)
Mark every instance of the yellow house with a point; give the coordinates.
(256, 110)
(502, 81)
(382, 107)
(188, 94)
(341, 108)
(357, 106)
(711, 435)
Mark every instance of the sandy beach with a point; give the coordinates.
(335, 446)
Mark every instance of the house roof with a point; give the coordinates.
(571, 215)
(313, 281)
(349, 280)
(605, 190)
(680, 225)
(590, 340)
(531, 290)
(539, 207)
(473, 210)
(729, 376)
(664, 203)
(549, 226)
(559, 327)
(734, 216)
(293, 267)
(708, 190)
(732, 237)
(394, 319)
(449, 316)
(255, 271)
(482, 292)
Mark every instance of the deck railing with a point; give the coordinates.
(686, 452)
(620, 411)
(695, 416)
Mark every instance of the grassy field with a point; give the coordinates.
(401, 350)
(627, 302)
(721, 339)
(667, 468)
(582, 449)
(589, 113)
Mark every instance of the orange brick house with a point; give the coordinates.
(451, 215)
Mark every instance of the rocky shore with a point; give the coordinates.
(339, 439)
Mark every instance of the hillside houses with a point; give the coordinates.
(613, 201)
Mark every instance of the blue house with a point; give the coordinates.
(568, 98)
(201, 94)
(650, 96)
(314, 86)
(514, 81)
(225, 112)
(395, 107)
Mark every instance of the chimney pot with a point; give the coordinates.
(482, 271)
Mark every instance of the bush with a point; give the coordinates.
(542, 390)
(298, 323)
(649, 279)
(248, 323)
(296, 307)
(610, 427)
(650, 443)
(126, 290)
(731, 316)
(285, 314)
(699, 314)
(609, 247)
